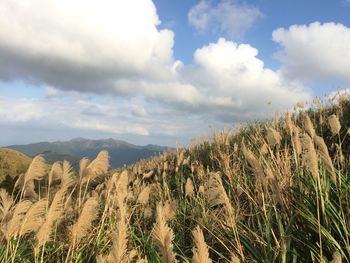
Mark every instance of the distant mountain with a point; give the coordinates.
(120, 152)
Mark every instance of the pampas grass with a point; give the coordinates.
(143, 197)
(53, 215)
(189, 188)
(324, 154)
(89, 213)
(6, 203)
(34, 218)
(12, 226)
(200, 251)
(309, 155)
(265, 192)
(334, 124)
(163, 237)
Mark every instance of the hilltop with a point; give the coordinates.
(273, 191)
(12, 163)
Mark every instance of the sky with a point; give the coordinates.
(163, 72)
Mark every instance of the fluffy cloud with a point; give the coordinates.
(315, 52)
(83, 44)
(75, 50)
(79, 114)
(227, 17)
(236, 85)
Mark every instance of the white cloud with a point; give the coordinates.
(315, 52)
(113, 47)
(228, 17)
(83, 44)
(138, 111)
(76, 114)
(235, 84)
(27, 110)
(24, 120)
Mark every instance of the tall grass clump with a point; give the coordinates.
(269, 191)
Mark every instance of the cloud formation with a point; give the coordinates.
(113, 49)
(83, 44)
(228, 17)
(235, 83)
(315, 52)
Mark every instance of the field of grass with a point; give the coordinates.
(274, 191)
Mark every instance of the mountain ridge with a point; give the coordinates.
(121, 152)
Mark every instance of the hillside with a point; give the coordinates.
(121, 153)
(12, 163)
(274, 191)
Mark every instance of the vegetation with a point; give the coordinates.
(276, 191)
(12, 163)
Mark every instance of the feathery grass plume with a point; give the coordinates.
(67, 179)
(334, 124)
(186, 161)
(120, 243)
(169, 209)
(337, 258)
(215, 190)
(55, 172)
(217, 195)
(98, 167)
(309, 156)
(273, 137)
(119, 252)
(143, 197)
(179, 156)
(253, 162)
(34, 217)
(270, 176)
(89, 213)
(35, 171)
(121, 183)
(147, 175)
(308, 126)
(234, 259)
(165, 166)
(264, 149)
(53, 215)
(294, 131)
(200, 251)
(189, 188)
(147, 213)
(121, 186)
(163, 236)
(6, 203)
(324, 154)
(201, 189)
(29, 191)
(83, 167)
(11, 228)
(101, 163)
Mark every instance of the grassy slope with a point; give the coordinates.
(12, 163)
(264, 199)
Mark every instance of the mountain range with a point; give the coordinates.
(121, 152)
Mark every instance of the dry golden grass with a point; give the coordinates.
(200, 251)
(268, 192)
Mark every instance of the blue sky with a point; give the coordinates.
(163, 72)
